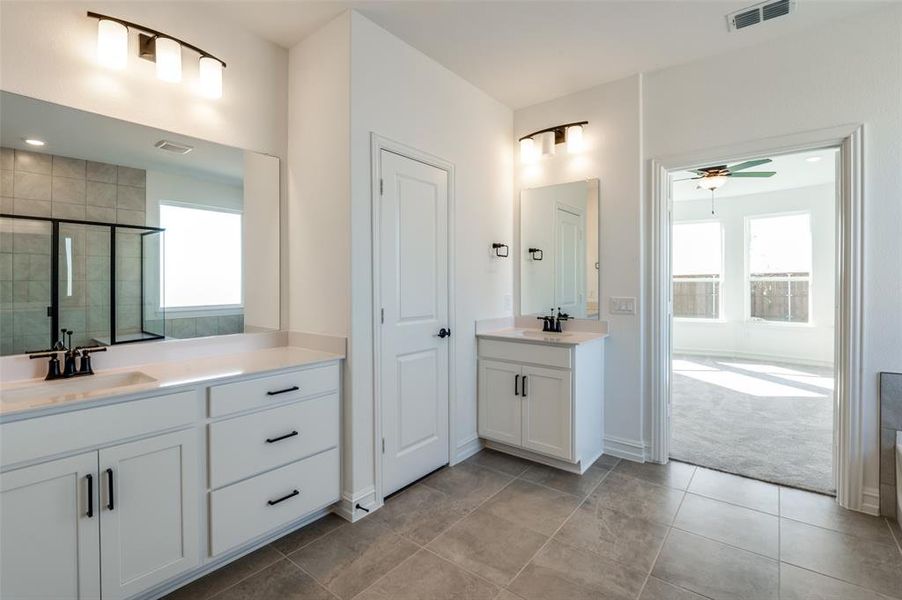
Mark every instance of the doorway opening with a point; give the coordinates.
(753, 250)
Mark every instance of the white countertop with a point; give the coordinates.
(165, 375)
(537, 336)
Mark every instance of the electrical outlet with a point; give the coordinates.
(622, 306)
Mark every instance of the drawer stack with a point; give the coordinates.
(278, 462)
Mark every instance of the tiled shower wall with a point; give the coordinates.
(890, 423)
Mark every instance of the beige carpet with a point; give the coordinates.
(768, 421)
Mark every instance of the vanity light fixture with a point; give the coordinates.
(571, 133)
(156, 46)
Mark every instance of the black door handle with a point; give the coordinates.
(90, 479)
(281, 437)
(293, 388)
(283, 498)
(524, 385)
(109, 481)
(443, 333)
(516, 385)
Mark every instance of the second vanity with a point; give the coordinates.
(541, 395)
(147, 485)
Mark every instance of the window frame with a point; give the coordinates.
(203, 310)
(721, 318)
(747, 271)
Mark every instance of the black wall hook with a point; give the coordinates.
(536, 254)
(498, 250)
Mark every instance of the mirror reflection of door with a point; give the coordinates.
(559, 249)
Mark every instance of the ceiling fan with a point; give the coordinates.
(711, 178)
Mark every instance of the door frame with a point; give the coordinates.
(379, 143)
(848, 453)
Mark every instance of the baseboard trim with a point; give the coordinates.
(578, 468)
(870, 501)
(347, 506)
(634, 450)
(467, 449)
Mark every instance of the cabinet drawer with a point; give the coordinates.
(524, 352)
(247, 445)
(245, 510)
(230, 398)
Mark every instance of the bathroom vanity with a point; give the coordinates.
(128, 483)
(541, 395)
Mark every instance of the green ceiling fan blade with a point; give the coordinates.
(749, 164)
(755, 174)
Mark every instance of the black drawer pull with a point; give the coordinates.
(109, 480)
(523, 389)
(516, 385)
(293, 388)
(281, 437)
(90, 479)
(283, 498)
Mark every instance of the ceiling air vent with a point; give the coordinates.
(754, 15)
(173, 147)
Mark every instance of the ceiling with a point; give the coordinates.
(793, 171)
(523, 53)
(76, 133)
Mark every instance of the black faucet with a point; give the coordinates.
(71, 355)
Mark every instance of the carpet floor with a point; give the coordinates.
(768, 421)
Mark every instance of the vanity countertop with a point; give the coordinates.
(537, 336)
(36, 394)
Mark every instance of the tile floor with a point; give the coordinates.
(497, 527)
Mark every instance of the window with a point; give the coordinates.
(697, 270)
(202, 260)
(779, 254)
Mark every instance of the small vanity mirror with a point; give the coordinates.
(124, 233)
(559, 249)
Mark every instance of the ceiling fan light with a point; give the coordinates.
(712, 183)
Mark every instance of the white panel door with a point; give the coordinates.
(547, 410)
(500, 402)
(414, 297)
(148, 512)
(50, 542)
(570, 263)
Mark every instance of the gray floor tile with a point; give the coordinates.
(560, 572)
(498, 461)
(861, 561)
(823, 511)
(734, 525)
(743, 491)
(282, 580)
(227, 576)
(489, 546)
(425, 575)
(606, 461)
(716, 570)
(350, 559)
(420, 513)
(800, 584)
(638, 498)
(537, 507)
(507, 595)
(571, 483)
(308, 534)
(655, 589)
(613, 535)
(674, 474)
(468, 483)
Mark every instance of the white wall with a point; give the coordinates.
(171, 187)
(843, 72)
(401, 94)
(613, 154)
(733, 334)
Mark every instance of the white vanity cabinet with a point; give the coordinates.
(543, 401)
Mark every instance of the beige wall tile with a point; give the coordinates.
(68, 167)
(130, 217)
(7, 181)
(31, 208)
(98, 193)
(6, 205)
(68, 189)
(133, 177)
(33, 162)
(32, 186)
(7, 158)
(103, 172)
(99, 213)
(64, 210)
(130, 198)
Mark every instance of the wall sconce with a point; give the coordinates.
(536, 254)
(497, 247)
(156, 46)
(572, 133)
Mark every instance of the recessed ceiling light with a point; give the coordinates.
(34, 142)
(813, 159)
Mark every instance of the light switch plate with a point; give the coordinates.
(622, 306)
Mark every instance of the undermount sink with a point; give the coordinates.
(62, 388)
(544, 334)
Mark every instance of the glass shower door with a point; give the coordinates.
(25, 286)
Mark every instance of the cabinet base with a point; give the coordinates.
(579, 467)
